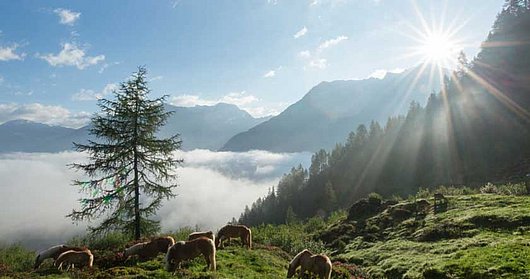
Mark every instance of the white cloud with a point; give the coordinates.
(71, 55)
(269, 74)
(244, 101)
(226, 181)
(331, 42)
(300, 33)
(381, 73)
(314, 59)
(240, 99)
(9, 53)
(106, 65)
(313, 3)
(318, 63)
(52, 115)
(235, 98)
(272, 2)
(305, 54)
(90, 95)
(67, 17)
(1, 79)
(155, 78)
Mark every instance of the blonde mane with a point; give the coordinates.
(234, 231)
(187, 250)
(135, 249)
(208, 234)
(319, 265)
(73, 258)
(53, 252)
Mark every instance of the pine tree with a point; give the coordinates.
(127, 161)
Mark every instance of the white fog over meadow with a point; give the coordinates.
(36, 191)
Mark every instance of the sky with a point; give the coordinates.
(58, 57)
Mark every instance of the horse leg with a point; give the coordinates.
(208, 263)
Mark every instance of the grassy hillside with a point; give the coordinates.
(479, 236)
(265, 260)
(483, 234)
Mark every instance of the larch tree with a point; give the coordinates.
(130, 170)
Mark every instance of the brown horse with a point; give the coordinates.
(187, 250)
(149, 249)
(208, 234)
(53, 252)
(319, 265)
(75, 258)
(234, 231)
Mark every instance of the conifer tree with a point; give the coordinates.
(131, 171)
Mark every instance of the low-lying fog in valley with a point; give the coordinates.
(36, 191)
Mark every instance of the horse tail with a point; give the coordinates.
(329, 268)
(168, 259)
(37, 262)
(249, 239)
(213, 265)
(90, 259)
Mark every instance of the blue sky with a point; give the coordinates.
(58, 57)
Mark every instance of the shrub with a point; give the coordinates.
(15, 258)
(489, 188)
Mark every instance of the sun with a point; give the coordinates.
(438, 48)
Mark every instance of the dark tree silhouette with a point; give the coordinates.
(127, 162)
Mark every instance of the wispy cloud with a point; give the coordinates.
(106, 65)
(300, 33)
(72, 55)
(304, 54)
(155, 78)
(314, 59)
(381, 73)
(243, 100)
(331, 42)
(272, 2)
(52, 115)
(67, 17)
(318, 63)
(9, 53)
(269, 74)
(272, 73)
(235, 98)
(91, 95)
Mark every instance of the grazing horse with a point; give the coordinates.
(208, 234)
(149, 249)
(234, 231)
(53, 252)
(75, 258)
(187, 250)
(319, 265)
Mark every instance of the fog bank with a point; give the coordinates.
(36, 191)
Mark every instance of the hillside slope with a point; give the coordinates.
(479, 236)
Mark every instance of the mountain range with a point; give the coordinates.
(331, 110)
(323, 117)
(206, 127)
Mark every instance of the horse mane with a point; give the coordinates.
(295, 262)
(134, 249)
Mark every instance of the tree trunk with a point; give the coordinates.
(136, 186)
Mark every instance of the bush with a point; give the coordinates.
(290, 238)
(110, 241)
(518, 189)
(15, 258)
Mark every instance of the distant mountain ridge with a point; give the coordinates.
(330, 110)
(205, 127)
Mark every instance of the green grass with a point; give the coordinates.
(480, 236)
